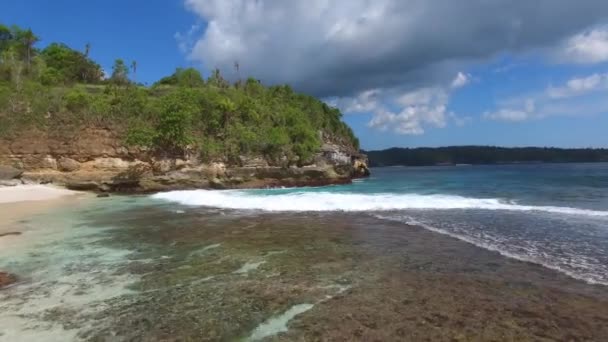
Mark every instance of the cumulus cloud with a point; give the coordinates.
(402, 110)
(418, 108)
(577, 96)
(461, 80)
(185, 41)
(341, 48)
(579, 86)
(398, 60)
(588, 47)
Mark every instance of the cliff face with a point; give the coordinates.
(96, 159)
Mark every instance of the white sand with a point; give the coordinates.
(22, 193)
(24, 201)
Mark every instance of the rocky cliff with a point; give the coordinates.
(96, 159)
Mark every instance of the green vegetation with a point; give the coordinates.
(483, 155)
(58, 88)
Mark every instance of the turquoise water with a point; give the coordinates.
(555, 215)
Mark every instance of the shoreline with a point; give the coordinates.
(20, 203)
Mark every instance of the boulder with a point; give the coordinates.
(9, 172)
(215, 183)
(48, 162)
(83, 186)
(67, 164)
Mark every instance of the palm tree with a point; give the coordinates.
(29, 39)
(237, 68)
(120, 72)
(134, 68)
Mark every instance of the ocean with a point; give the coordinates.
(410, 253)
(555, 215)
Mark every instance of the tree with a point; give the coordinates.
(189, 77)
(217, 80)
(28, 41)
(72, 65)
(6, 37)
(175, 122)
(134, 68)
(120, 72)
(87, 49)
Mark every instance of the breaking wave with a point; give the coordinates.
(350, 202)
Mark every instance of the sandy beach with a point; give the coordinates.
(19, 204)
(20, 201)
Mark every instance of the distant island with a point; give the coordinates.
(454, 155)
(65, 120)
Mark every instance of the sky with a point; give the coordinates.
(404, 72)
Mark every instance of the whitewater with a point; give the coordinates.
(326, 201)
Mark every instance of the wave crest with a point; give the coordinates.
(327, 201)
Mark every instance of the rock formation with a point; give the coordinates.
(96, 160)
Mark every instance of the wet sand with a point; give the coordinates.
(210, 276)
(21, 203)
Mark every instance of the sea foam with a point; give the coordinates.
(350, 202)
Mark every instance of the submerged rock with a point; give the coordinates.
(9, 234)
(7, 279)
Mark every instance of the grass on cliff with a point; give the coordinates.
(58, 89)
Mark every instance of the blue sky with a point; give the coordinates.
(132, 30)
(517, 76)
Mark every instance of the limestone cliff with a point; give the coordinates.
(97, 160)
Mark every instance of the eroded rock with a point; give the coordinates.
(97, 160)
(67, 164)
(9, 172)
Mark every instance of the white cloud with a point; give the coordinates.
(577, 96)
(458, 120)
(364, 102)
(340, 48)
(579, 86)
(408, 112)
(506, 114)
(461, 80)
(586, 48)
(399, 111)
(185, 41)
(398, 60)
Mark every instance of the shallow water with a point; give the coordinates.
(551, 214)
(65, 269)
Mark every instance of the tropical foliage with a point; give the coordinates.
(61, 88)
